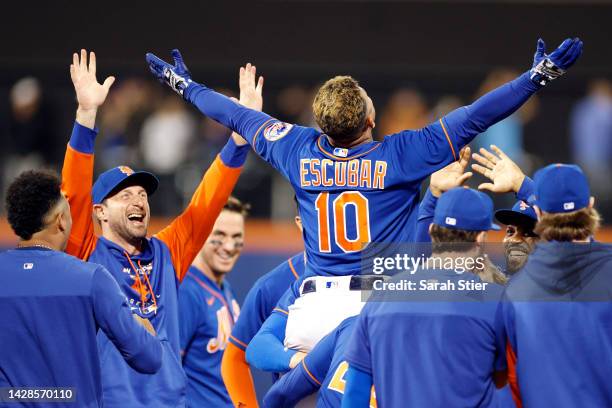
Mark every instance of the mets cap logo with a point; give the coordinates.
(126, 170)
(277, 131)
(523, 206)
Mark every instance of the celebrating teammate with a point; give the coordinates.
(148, 270)
(339, 173)
(52, 304)
(557, 309)
(208, 308)
(520, 220)
(258, 305)
(445, 346)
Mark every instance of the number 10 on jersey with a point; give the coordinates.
(337, 208)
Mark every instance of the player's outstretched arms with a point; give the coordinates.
(240, 119)
(465, 123)
(77, 171)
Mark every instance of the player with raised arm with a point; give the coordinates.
(340, 174)
(148, 270)
(351, 189)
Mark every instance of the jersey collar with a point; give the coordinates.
(342, 154)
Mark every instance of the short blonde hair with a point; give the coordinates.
(575, 225)
(340, 108)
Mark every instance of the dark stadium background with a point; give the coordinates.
(437, 48)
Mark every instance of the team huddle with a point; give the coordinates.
(151, 321)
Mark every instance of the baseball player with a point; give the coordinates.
(340, 174)
(557, 308)
(208, 308)
(506, 176)
(258, 305)
(438, 345)
(52, 305)
(148, 270)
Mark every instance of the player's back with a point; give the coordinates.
(417, 344)
(557, 314)
(47, 323)
(349, 198)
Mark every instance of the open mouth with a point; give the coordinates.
(137, 219)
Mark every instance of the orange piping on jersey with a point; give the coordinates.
(310, 374)
(214, 293)
(243, 344)
(293, 269)
(343, 158)
(259, 130)
(448, 139)
(280, 310)
(512, 377)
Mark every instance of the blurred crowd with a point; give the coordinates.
(143, 125)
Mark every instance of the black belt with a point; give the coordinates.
(358, 282)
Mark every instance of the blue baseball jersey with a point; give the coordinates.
(369, 193)
(432, 348)
(207, 315)
(559, 322)
(150, 279)
(160, 306)
(263, 297)
(51, 307)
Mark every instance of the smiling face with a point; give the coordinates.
(225, 242)
(125, 214)
(519, 241)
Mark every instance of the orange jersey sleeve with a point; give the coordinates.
(512, 378)
(188, 232)
(77, 180)
(237, 378)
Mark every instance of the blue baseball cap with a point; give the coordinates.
(120, 177)
(521, 213)
(465, 209)
(561, 188)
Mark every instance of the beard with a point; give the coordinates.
(516, 256)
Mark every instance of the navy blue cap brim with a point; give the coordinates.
(510, 217)
(146, 180)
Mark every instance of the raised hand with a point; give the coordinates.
(549, 67)
(176, 76)
(250, 92)
(89, 92)
(504, 173)
(452, 175)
